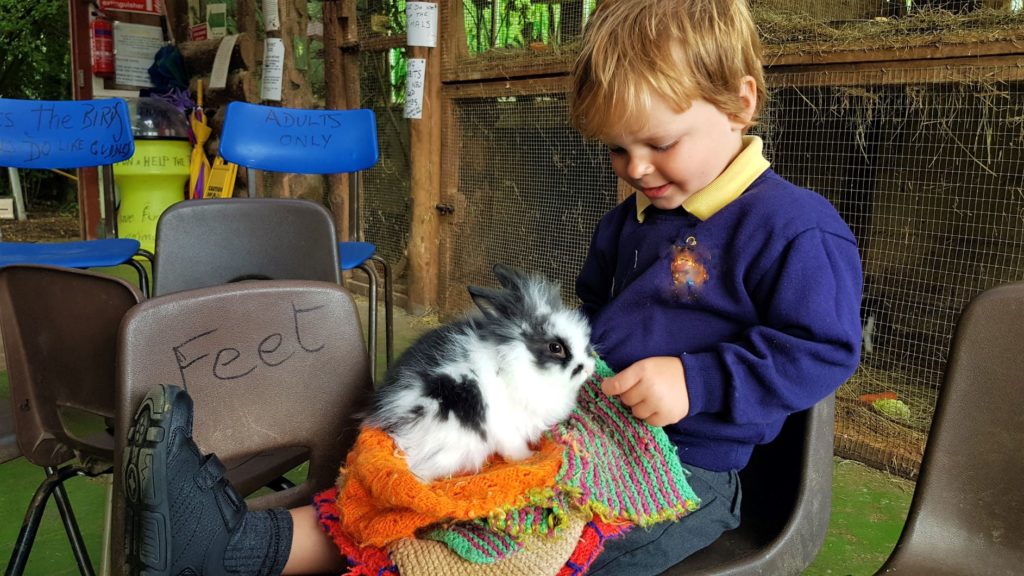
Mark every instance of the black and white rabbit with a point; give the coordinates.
(490, 383)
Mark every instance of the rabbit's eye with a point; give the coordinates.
(556, 349)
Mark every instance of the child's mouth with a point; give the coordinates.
(656, 192)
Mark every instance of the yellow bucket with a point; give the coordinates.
(149, 182)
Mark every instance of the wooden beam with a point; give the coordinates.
(81, 89)
(899, 72)
(339, 28)
(425, 186)
(796, 55)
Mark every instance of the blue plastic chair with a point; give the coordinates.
(43, 134)
(302, 141)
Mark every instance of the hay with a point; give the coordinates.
(785, 31)
(867, 435)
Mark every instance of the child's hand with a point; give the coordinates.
(654, 388)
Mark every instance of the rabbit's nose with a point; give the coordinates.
(576, 371)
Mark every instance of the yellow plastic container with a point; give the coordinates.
(148, 182)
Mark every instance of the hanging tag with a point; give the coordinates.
(273, 69)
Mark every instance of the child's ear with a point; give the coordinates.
(748, 100)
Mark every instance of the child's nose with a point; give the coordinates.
(638, 168)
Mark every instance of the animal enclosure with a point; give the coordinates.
(907, 117)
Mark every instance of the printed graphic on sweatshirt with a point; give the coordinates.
(689, 271)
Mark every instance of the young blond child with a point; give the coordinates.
(724, 296)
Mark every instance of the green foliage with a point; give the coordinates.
(35, 57)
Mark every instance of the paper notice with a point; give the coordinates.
(216, 20)
(273, 69)
(414, 80)
(219, 73)
(421, 24)
(135, 45)
(271, 17)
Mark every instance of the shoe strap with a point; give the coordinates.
(210, 472)
(211, 476)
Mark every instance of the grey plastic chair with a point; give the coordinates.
(271, 366)
(967, 514)
(787, 499)
(203, 243)
(59, 330)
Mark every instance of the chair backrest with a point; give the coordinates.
(787, 499)
(68, 134)
(64, 134)
(204, 243)
(269, 365)
(300, 141)
(8, 439)
(59, 331)
(967, 513)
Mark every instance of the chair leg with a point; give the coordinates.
(33, 516)
(371, 318)
(67, 516)
(280, 484)
(389, 313)
(143, 277)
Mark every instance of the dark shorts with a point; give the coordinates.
(651, 551)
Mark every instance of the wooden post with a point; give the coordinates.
(425, 185)
(341, 74)
(295, 93)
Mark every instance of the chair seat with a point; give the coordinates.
(352, 254)
(253, 472)
(77, 254)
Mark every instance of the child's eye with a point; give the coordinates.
(666, 147)
(616, 150)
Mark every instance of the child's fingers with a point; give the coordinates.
(643, 410)
(619, 383)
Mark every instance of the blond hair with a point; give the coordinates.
(678, 50)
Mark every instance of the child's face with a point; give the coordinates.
(678, 153)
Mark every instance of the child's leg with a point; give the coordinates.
(313, 552)
(185, 518)
(652, 551)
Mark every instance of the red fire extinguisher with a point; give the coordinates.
(101, 33)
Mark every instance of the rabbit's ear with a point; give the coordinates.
(491, 302)
(509, 278)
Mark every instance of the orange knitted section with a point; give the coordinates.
(381, 501)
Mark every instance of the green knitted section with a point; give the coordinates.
(475, 542)
(618, 466)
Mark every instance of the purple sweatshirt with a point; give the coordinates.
(760, 301)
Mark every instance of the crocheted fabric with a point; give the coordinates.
(372, 561)
(617, 466)
(383, 502)
(591, 544)
(539, 554)
(601, 461)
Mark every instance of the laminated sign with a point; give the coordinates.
(140, 6)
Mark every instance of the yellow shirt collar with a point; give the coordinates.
(741, 173)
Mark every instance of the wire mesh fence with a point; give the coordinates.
(924, 163)
(526, 189)
(926, 167)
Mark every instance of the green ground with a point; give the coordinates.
(868, 506)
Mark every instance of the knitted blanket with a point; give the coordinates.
(601, 461)
(408, 557)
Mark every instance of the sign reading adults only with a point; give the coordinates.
(42, 134)
(293, 140)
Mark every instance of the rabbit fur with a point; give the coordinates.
(490, 383)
